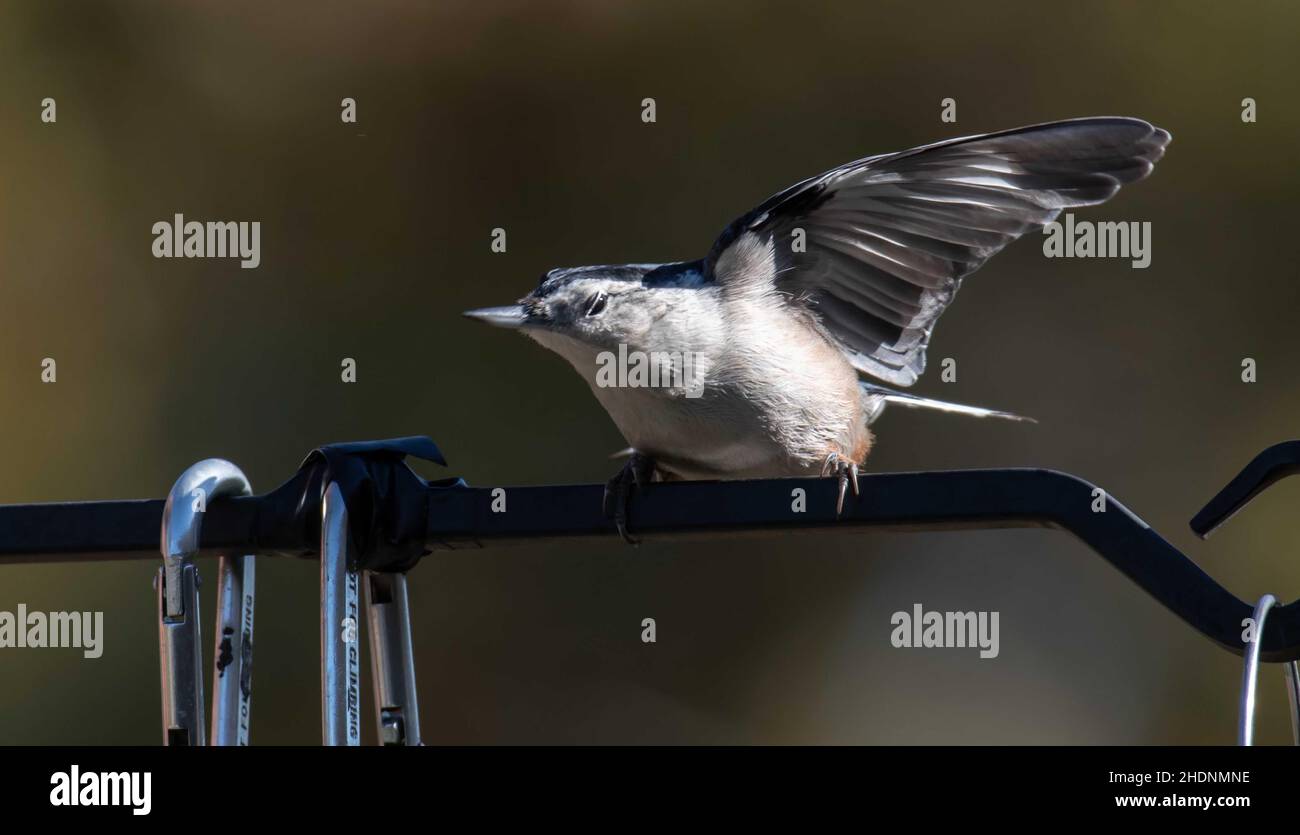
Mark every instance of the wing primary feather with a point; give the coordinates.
(890, 238)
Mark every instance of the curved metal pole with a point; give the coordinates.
(956, 499)
(1250, 673)
(180, 652)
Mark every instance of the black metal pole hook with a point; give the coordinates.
(1270, 466)
(1264, 470)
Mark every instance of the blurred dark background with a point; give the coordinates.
(527, 116)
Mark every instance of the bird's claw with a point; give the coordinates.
(637, 472)
(847, 473)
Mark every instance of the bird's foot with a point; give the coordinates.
(846, 470)
(637, 472)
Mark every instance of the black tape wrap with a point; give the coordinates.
(387, 502)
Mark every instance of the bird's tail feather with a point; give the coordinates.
(875, 397)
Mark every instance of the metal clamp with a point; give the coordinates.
(179, 634)
(392, 662)
(340, 627)
(397, 716)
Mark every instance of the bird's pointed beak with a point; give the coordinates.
(511, 316)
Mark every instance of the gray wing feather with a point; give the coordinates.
(874, 398)
(889, 238)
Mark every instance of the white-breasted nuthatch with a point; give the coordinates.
(745, 364)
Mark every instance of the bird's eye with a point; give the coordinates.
(596, 303)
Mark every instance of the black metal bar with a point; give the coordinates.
(130, 529)
(961, 499)
(459, 516)
(81, 531)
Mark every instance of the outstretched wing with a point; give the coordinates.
(887, 240)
